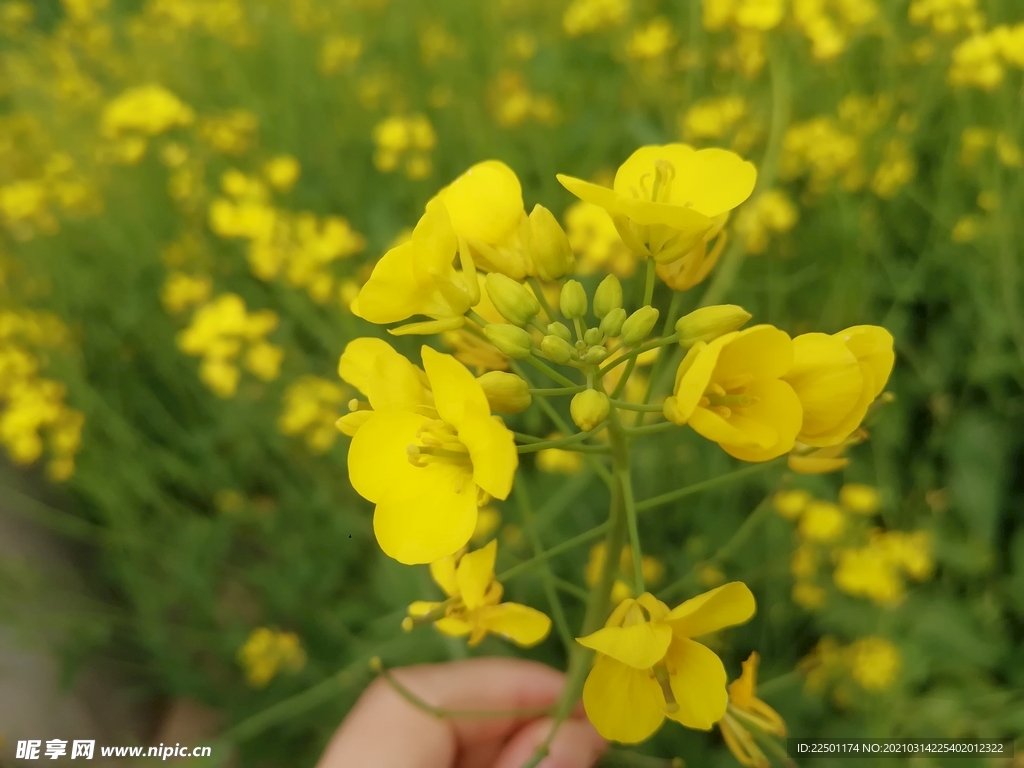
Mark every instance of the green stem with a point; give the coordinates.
(622, 405)
(575, 541)
(674, 307)
(624, 378)
(571, 441)
(554, 391)
(727, 478)
(538, 291)
(632, 354)
(597, 608)
(649, 279)
(572, 589)
(546, 576)
(623, 473)
(441, 712)
(650, 429)
(546, 369)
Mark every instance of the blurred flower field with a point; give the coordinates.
(195, 198)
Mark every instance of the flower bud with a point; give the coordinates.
(708, 323)
(512, 300)
(573, 301)
(595, 355)
(506, 392)
(557, 349)
(560, 330)
(509, 339)
(589, 408)
(549, 247)
(593, 336)
(611, 325)
(638, 325)
(608, 296)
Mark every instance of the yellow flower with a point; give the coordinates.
(821, 521)
(868, 572)
(147, 109)
(807, 595)
(180, 291)
(310, 409)
(266, 651)
(282, 172)
(427, 470)
(596, 242)
(861, 499)
(665, 199)
(474, 606)
(389, 381)
(791, 504)
(653, 570)
(747, 712)
(731, 391)
(836, 378)
(874, 662)
(584, 17)
(648, 667)
(417, 278)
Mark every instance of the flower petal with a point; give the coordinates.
(724, 606)
(485, 203)
(456, 391)
(872, 344)
(393, 292)
(434, 244)
(696, 368)
(377, 458)
(698, 679)
(387, 378)
(492, 448)
(521, 624)
(758, 352)
(640, 646)
(622, 703)
(828, 380)
(423, 521)
(590, 193)
(776, 411)
(443, 572)
(475, 574)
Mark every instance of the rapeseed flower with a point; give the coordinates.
(428, 469)
(266, 651)
(746, 712)
(653, 569)
(731, 391)
(311, 409)
(388, 380)
(418, 278)
(666, 199)
(474, 607)
(648, 667)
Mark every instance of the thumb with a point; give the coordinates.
(576, 745)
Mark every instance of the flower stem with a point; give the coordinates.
(649, 279)
(546, 369)
(571, 442)
(642, 408)
(728, 477)
(632, 354)
(581, 658)
(538, 291)
(674, 308)
(650, 429)
(554, 391)
(623, 473)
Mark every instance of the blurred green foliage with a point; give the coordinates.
(179, 582)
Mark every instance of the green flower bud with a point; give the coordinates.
(561, 330)
(510, 339)
(573, 301)
(506, 392)
(608, 296)
(612, 322)
(593, 336)
(589, 408)
(549, 247)
(708, 323)
(512, 300)
(638, 325)
(595, 355)
(557, 349)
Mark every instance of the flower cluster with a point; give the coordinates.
(409, 138)
(872, 662)
(311, 408)
(268, 651)
(220, 331)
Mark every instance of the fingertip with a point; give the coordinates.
(576, 745)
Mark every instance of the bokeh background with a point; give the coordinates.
(191, 192)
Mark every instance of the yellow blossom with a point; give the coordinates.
(791, 504)
(282, 172)
(731, 391)
(267, 651)
(596, 242)
(474, 607)
(746, 712)
(665, 200)
(584, 17)
(895, 171)
(868, 572)
(821, 521)
(651, 41)
(874, 662)
(388, 380)
(653, 570)
(712, 118)
(181, 291)
(648, 667)
(231, 133)
(428, 470)
(149, 110)
(808, 595)
(771, 213)
(861, 499)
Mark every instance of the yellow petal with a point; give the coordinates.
(377, 458)
(389, 381)
(430, 327)
(724, 606)
(760, 352)
(709, 424)
(640, 646)
(776, 410)
(422, 608)
(816, 465)
(456, 390)
(521, 624)
(434, 244)
(871, 344)
(697, 367)
(394, 293)
(485, 203)
(475, 574)
(590, 193)
(350, 423)
(443, 572)
(428, 519)
(622, 703)
(657, 610)
(828, 381)
(492, 448)
(453, 627)
(698, 679)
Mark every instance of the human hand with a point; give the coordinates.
(384, 730)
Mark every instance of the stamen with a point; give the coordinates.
(358, 405)
(661, 675)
